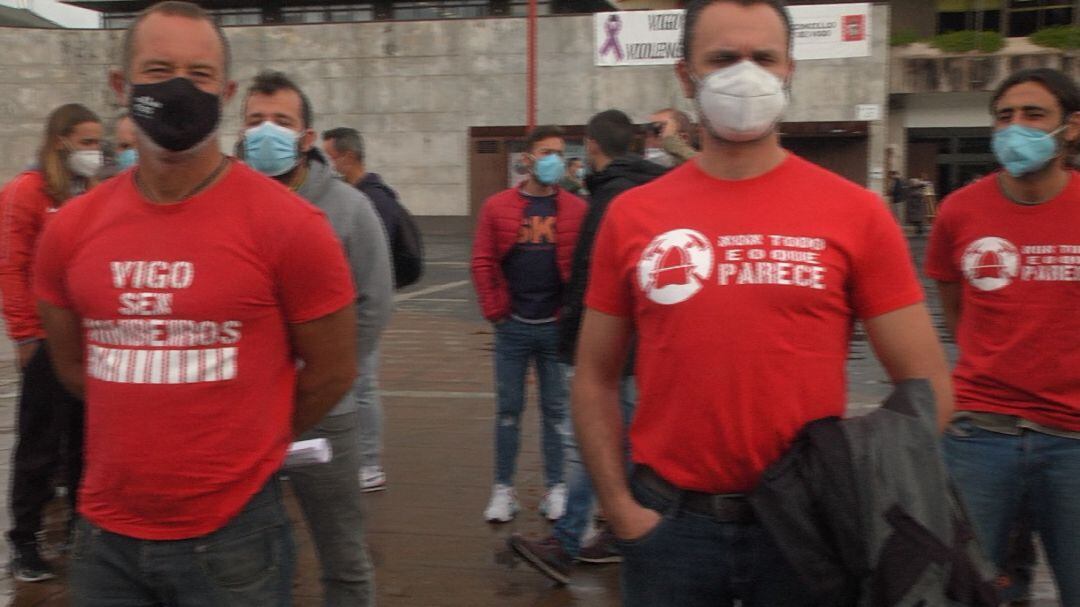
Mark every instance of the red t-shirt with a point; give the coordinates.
(189, 373)
(743, 295)
(1019, 325)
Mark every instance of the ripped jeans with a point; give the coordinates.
(516, 345)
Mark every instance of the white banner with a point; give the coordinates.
(823, 31)
(638, 37)
(830, 31)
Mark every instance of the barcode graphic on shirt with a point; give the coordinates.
(124, 366)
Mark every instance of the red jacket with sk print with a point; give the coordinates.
(497, 232)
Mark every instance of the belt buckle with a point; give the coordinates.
(726, 508)
(719, 506)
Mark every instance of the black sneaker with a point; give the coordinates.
(601, 550)
(28, 566)
(546, 556)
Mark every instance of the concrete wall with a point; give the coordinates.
(831, 90)
(943, 110)
(915, 16)
(412, 88)
(40, 70)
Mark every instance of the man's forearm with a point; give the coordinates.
(317, 392)
(72, 375)
(327, 348)
(63, 331)
(598, 427)
(949, 296)
(907, 346)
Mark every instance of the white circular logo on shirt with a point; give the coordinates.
(991, 263)
(675, 266)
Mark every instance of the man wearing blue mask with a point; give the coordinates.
(1005, 251)
(609, 136)
(521, 262)
(279, 141)
(127, 154)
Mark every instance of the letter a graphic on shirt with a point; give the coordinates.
(675, 266)
(674, 269)
(989, 266)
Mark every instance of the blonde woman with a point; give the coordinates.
(50, 419)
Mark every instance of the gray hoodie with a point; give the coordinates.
(361, 232)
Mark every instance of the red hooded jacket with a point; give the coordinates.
(25, 208)
(496, 233)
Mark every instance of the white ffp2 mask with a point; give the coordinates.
(741, 102)
(85, 163)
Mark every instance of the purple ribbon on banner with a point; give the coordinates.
(613, 26)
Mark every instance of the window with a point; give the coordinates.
(118, 21)
(973, 145)
(1011, 17)
(453, 9)
(305, 14)
(1028, 16)
(984, 20)
(238, 16)
(328, 13)
(362, 13)
(1057, 16)
(520, 8)
(357, 11)
(943, 145)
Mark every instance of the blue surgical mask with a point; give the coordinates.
(549, 169)
(581, 173)
(271, 149)
(1023, 149)
(127, 159)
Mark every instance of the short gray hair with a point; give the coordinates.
(175, 8)
(346, 140)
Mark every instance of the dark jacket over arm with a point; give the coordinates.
(863, 510)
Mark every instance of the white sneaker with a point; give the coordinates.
(372, 478)
(553, 506)
(503, 505)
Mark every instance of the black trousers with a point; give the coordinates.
(50, 444)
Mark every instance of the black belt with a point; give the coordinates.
(725, 508)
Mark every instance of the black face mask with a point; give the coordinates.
(175, 114)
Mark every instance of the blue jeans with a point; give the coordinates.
(329, 495)
(248, 562)
(516, 344)
(1001, 476)
(366, 392)
(580, 497)
(693, 560)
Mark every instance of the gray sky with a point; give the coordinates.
(67, 16)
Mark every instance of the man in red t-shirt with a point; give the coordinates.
(178, 298)
(1006, 254)
(741, 272)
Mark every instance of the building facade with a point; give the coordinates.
(117, 14)
(940, 122)
(441, 102)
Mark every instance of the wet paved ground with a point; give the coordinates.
(429, 542)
